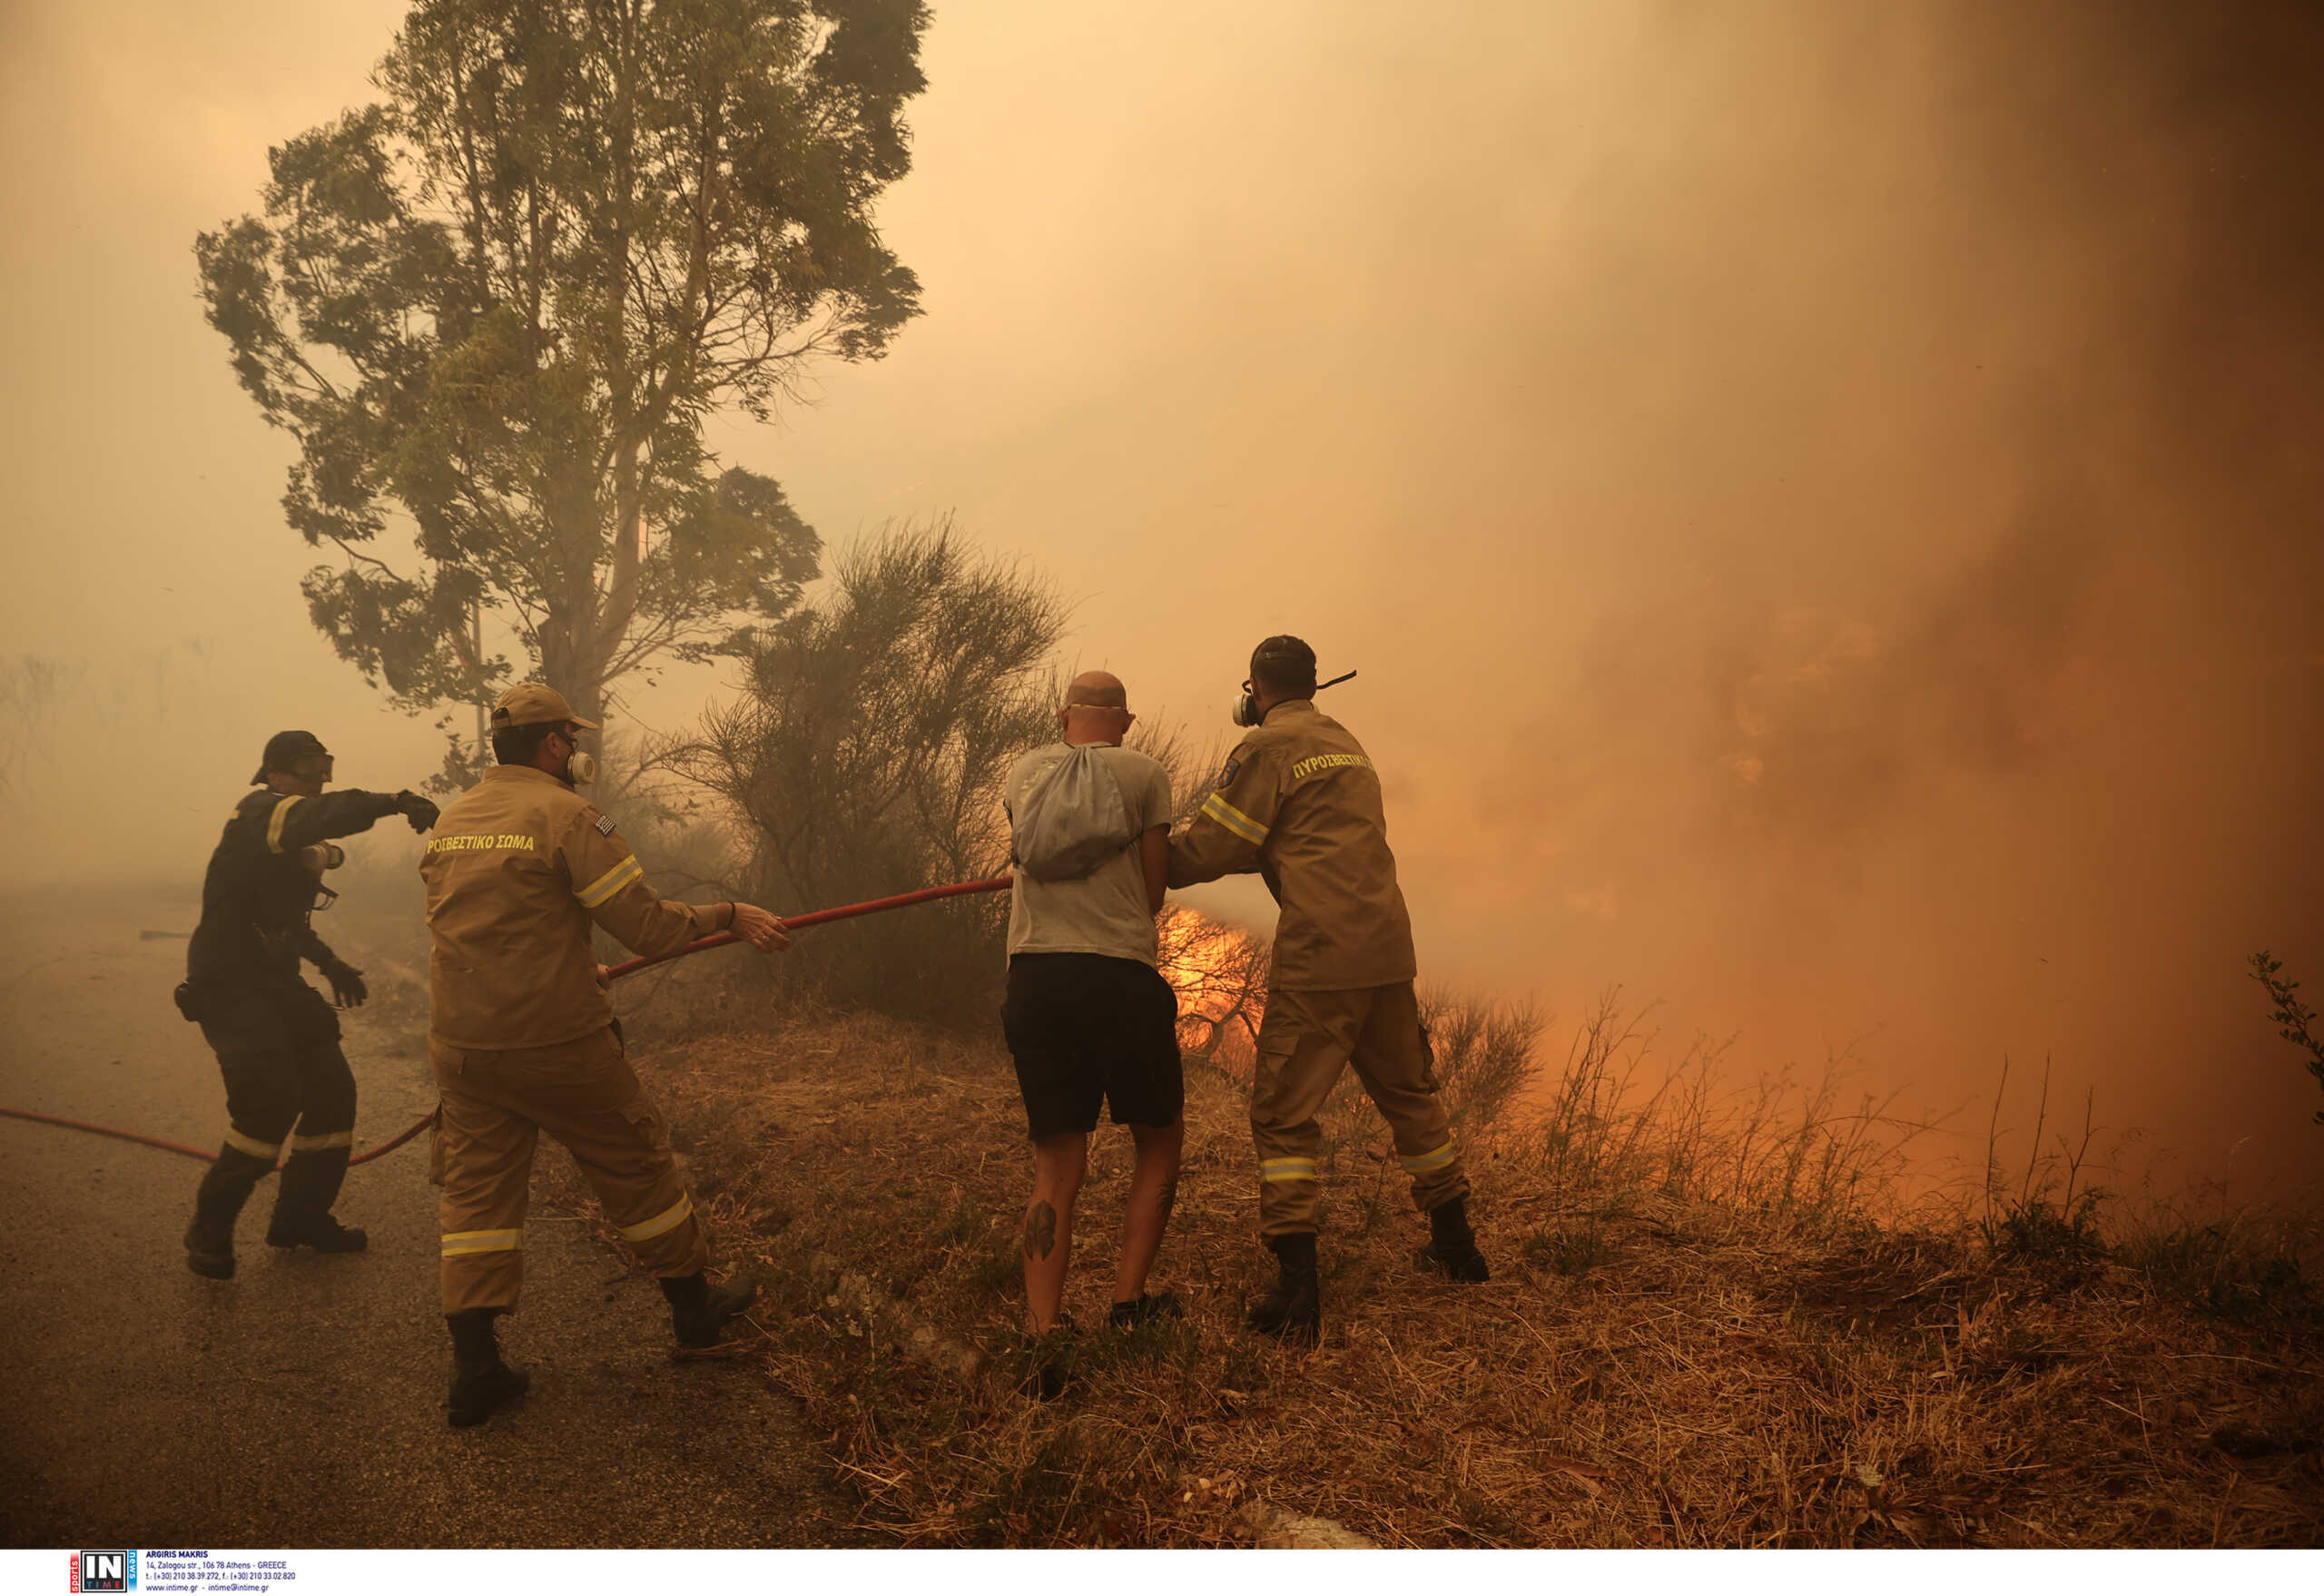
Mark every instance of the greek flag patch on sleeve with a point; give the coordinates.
(605, 825)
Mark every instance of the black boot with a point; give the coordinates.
(699, 1312)
(1452, 1250)
(1294, 1309)
(204, 1254)
(217, 1203)
(311, 1183)
(481, 1382)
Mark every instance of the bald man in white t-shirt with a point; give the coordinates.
(1091, 1020)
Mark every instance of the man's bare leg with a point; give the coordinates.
(1059, 1163)
(1153, 1191)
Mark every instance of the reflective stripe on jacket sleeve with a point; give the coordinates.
(296, 822)
(609, 882)
(1229, 830)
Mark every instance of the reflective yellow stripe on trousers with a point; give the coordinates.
(457, 1243)
(1287, 1169)
(1428, 1162)
(269, 1150)
(316, 1144)
(669, 1218)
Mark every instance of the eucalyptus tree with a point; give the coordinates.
(496, 307)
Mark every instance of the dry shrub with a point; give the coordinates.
(1483, 1049)
(34, 694)
(2244, 1264)
(864, 757)
(1614, 1123)
(866, 754)
(2233, 1259)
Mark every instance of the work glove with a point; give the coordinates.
(419, 811)
(346, 983)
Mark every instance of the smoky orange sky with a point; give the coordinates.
(1823, 497)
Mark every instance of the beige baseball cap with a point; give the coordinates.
(533, 703)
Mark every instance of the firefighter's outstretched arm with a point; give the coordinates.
(294, 822)
(1228, 832)
(610, 881)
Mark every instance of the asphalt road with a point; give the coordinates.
(300, 1403)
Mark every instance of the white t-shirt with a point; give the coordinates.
(1105, 911)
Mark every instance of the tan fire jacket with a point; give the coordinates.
(1299, 802)
(517, 868)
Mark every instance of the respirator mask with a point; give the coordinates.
(580, 766)
(1246, 708)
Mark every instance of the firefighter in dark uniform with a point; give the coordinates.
(276, 1039)
(1299, 802)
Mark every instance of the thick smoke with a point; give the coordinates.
(2044, 794)
(1824, 499)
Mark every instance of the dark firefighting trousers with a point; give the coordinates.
(1304, 1041)
(495, 1104)
(278, 1048)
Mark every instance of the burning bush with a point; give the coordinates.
(1220, 974)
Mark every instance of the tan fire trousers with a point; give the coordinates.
(1304, 1041)
(496, 1102)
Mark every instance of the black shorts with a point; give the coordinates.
(1083, 1029)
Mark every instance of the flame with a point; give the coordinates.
(1220, 976)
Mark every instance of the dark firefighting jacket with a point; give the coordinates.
(259, 891)
(1300, 804)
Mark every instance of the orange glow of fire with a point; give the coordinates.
(1219, 974)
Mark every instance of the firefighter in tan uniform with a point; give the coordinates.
(522, 1037)
(1299, 802)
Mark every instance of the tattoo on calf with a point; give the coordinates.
(1040, 1231)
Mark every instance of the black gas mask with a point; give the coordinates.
(1247, 708)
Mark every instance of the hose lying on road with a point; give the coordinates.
(167, 1146)
(790, 922)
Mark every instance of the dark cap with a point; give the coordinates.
(1283, 655)
(284, 749)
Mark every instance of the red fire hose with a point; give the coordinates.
(818, 917)
(790, 924)
(167, 1146)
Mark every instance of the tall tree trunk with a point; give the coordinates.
(568, 635)
(475, 648)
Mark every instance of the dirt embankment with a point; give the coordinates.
(1643, 1370)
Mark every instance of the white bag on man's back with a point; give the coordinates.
(1074, 818)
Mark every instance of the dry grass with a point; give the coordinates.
(1652, 1365)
